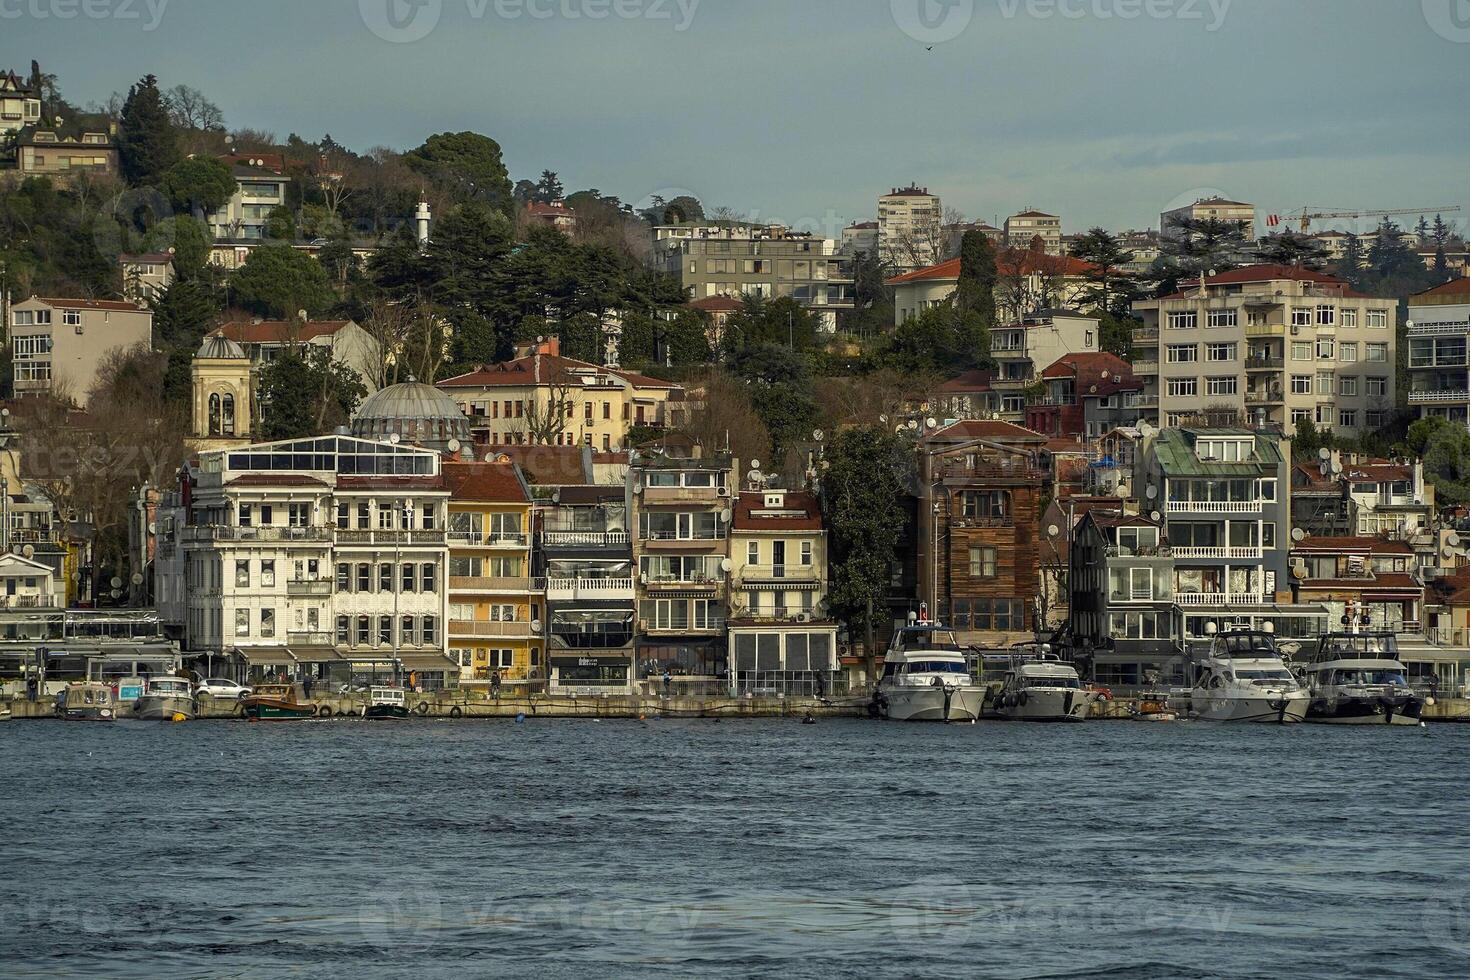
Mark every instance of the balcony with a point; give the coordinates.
(1244, 553)
(1217, 599)
(28, 602)
(309, 638)
(585, 539)
(395, 538)
(1423, 397)
(1146, 335)
(476, 628)
(795, 574)
(1265, 363)
(1439, 328)
(1265, 330)
(710, 624)
(1272, 396)
(675, 495)
(490, 583)
(574, 589)
(495, 539)
(668, 541)
(1146, 366)
(1214, 507)
(319, 588)
(232, 532)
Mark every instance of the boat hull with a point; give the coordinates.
(88, 714)
(928, 703)
(1365, 711)
(152, 707)
(1266, 709)
(1045, 705)
(276, 710)
(384, 712)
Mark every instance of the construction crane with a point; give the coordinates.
(1305, 216)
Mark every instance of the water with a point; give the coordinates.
(678, 848)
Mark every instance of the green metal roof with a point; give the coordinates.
(1175, 453)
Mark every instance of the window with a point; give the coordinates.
(1324, 385)
(429, 631)
(1221, 318)
(1377, 387)
(1376, 420)
(1268, 535)
(364, 577)
(1300, 415)
(1181, 353)
(1325, 348)
(242, 574)
(242, 622)
(1301, 318)
(1221, 386)
(1349, 317)
(344, 516)
(1301, 350)
(1348, 419)
(430, 571)
(753, 553)
(385, 630)
(246, 515)
(1378, 318)
(982, 563)
(364, 516)
(267, 622)
(298, 515)
(1220, 352)
(1347, 386)
(385, 517)
(266, 516)
(1326, 315)
(268, 573)
(364, 626)
(1268, 490)
(1183, 321)
(1183, 387)
(1301, 384)
(71, 318)
(406, 631)
(408, 577)
(344, 629)
(806, 553)
(385, 577)
(1377, 352)
(984, 504)
(344, 577)
(1348, 351)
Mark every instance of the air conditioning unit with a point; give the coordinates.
(803, 617)
(723, 491)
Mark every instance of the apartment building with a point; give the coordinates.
(1217, 208)
(1346, 495)
(58, 345)
(544, 399)
(63, 156)
(585, 554)
(1026, 282)
(1022, 349)
(351, 346)
(260, 188)
(1274, 345)
(495, 605)
(860, 236)
(1439, 332)
(1087, 395)
(910, 228)
(979, 546)
(1024, 227)
(1363, 576)
(781, 639)
(20, 105)
(147, 276)
(767, 261)
(680, 511)
(322, 557)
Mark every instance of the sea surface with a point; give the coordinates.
(734, 848)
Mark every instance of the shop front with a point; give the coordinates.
(591, 672)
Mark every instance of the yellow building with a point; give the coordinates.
(545, 399)
(494, 612)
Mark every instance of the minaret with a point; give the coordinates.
(421, 218)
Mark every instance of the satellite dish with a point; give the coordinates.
(1268, 627)
(1151, 492)
(116, 593)
(817, 436)
(136, 578)
(29, 551)
(898, 429)
(395, 438)
(453, 445)
(1211, 629)
(725, 565)
(152, 527)
(725, 515)
(1452, 539)
(1297, 534)
(535, 626)
(754, 476)
(913, 424)
(1324, 453)
(116, 582)
(1156, 516)
(755, 464)
(1052, 530)
(931, 422)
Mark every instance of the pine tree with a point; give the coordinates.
(147, 144)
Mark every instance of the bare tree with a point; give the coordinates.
(188, 108)
(884, 395)
(546, 421)
(388, 323)
(721, 416)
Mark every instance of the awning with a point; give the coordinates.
(592, 661)
(315, 654)
(410, 661)
(267, 656)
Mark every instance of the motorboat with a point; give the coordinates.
(1357, 679)
(165, 699)
(1242, 677)
(276, 702)
(1153, 706)
(86, 701)
(386, 702)
(926, 677)
(1042, 687)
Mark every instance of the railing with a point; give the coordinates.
(584, 539)
(1264, 397)
(1146, 366)
(1214, 506)
(1217, 552)
(1216, 599)
(1439, 328)
(490, 583)
(779, 613)
(663, 537)
(472, 539)
(1439, 396)
(1265, 363)
(1153, 551)
(1420, 363)
(684, 580)
(588, 588)
(1145, 333)
(232, 532)
(28, 602)
(380, 537)
(33, 536)
(475, 627)
(664, 495)
(710, 624)
(1265, 330)
(317, 638)
(782, 573)
(309, 587)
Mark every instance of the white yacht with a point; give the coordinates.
(1357, 679)
(1243, 678)
(1042, 687)
(165, 699)
(926, 677)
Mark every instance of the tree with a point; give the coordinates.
(1423, 432)
(147, 144)
(198, 186)
(780, 385)
(1110, 290)
(305, 392)
(466, 166)
(940, 339)
(872, 311)
(722, 416)
(1447, 464)
(279, 281)
(975, 291)
(548, 188)
(188, 108)
(762, 321)
(1288, 247)
(683, 210)
(1196, 246)
(1350, 266)
(865, 475)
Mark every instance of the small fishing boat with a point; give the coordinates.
(386, 702)
(1153, 706)
(165, 699)
(86, 701)
(276, 702)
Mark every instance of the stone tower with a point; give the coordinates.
(223, 411)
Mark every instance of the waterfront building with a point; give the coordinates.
(910, 228)
(1343, 495)
(585, 555)
(1359, 577)
(781, 638)
(980, 541)
(1439, 371)
(58, 345)
(544, 399)
(1269, 344)
(679, 510)
(495, 605)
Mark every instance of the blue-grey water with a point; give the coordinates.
(692, 848)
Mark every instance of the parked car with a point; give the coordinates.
(220, 687)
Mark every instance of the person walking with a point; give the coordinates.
(668, 682)
(495, 685)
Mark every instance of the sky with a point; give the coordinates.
(804, 111)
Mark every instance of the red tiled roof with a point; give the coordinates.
(548, 210)
(279, 331)
(1377, 471)
(91, 304)
(993, 430)
(1033, 214)
(1088, 368)
(553, 368)
(1268, 272)
(1353, 545)
(274, 162)
(276, 480)
(1008, 261)
(1455, 287)
(752, 501)
(153, 257)
(976, 379)
(485, 482)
